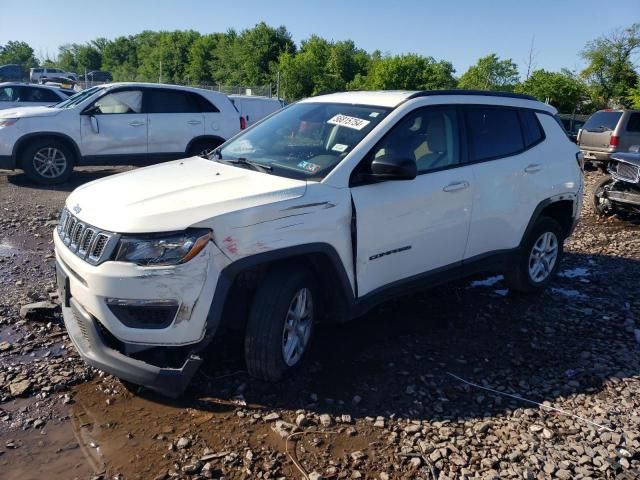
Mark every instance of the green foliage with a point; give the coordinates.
(610, 71)
(407, 72)
(561, 89)
(491, 73)
(78, 58)
(18, 52)
(634, 96)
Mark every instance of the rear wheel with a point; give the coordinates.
(601, 204)
(48, 161)
(281, 323)
(203, 148)
(538, 258)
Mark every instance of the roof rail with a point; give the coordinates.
(484, 93)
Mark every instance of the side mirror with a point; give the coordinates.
(95, 128)
(390, 167)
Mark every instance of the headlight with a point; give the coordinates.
(163, 250)
(7, 122)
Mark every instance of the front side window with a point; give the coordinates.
(493, 132)
(7, 94)
(429, 136)
(127, 101)
(306, 140)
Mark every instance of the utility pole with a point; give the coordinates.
(278, 85)
(160, 77)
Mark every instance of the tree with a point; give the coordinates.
(610, 71)
(18, 52)
(203, 61)
(491, 73)
(562, 90)
(407, 72)
(634, 96)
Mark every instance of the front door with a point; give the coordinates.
(406, 228)
(115, 126)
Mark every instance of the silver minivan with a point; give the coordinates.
(607, 132)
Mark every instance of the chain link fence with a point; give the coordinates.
(254, 90)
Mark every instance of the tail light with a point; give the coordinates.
(613, 141)
(243, 123)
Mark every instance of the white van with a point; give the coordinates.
(253, 109)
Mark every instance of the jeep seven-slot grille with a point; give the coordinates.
(628, 172)
(86, 241)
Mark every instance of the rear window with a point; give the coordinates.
(493, 132)
(634, 123)
(602, 121)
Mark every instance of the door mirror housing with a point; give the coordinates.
(392, 167)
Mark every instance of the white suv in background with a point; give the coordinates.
(16, 94)
(316, 214)
(120, 123)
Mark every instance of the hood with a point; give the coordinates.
(24, 112)
(176, 195)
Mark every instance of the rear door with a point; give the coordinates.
(596, 133)
(510, 175)
(175, 118)
(115, 126)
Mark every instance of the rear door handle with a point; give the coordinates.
(194, 122)
(455, 186)
(533, 168)
(136, 123)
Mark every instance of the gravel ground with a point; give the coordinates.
(463, 381)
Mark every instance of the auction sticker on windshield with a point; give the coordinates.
(349, 122)
(309, 167)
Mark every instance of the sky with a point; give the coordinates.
(460, 31)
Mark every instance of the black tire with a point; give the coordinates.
(602, 208)
(32, 164)
(198, 148)
(519, 277)
(264, 336)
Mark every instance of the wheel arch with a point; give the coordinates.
(21, 143)
(562, 209)
(239, 280)
(203, 138)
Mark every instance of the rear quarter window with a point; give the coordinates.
(634, 123)
(602, 121)
(493, 132)
(531, 128)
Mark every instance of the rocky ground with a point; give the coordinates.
(465, 381)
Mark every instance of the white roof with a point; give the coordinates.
(392, 98)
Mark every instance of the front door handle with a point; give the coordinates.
(455, 186)
(136, 123)
(194, 122)
(533, 168)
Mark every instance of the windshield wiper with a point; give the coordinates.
(259, 167)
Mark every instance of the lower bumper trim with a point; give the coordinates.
(87, 340)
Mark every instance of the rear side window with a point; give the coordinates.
(531, 128)
(33, 94)
(493, 132)
(634, 123)
(602, 121)
(175, 101)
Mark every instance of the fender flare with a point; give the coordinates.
(229, 274)
(544, 204)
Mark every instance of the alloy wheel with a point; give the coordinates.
(543, 257)
(49, 162)
(297, 327)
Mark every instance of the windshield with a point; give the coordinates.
(602, 121)
(305, 140)
(77, 98)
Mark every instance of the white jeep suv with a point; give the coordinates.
(120, 123)
(316, 214)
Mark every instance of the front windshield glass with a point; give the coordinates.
(77, 98)
(305, 140)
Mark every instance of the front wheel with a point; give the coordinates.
(538, 258)
(281, 323)
(48, 161)
(601, 204)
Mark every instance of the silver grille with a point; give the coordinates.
(628, 172)
(86, 241)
